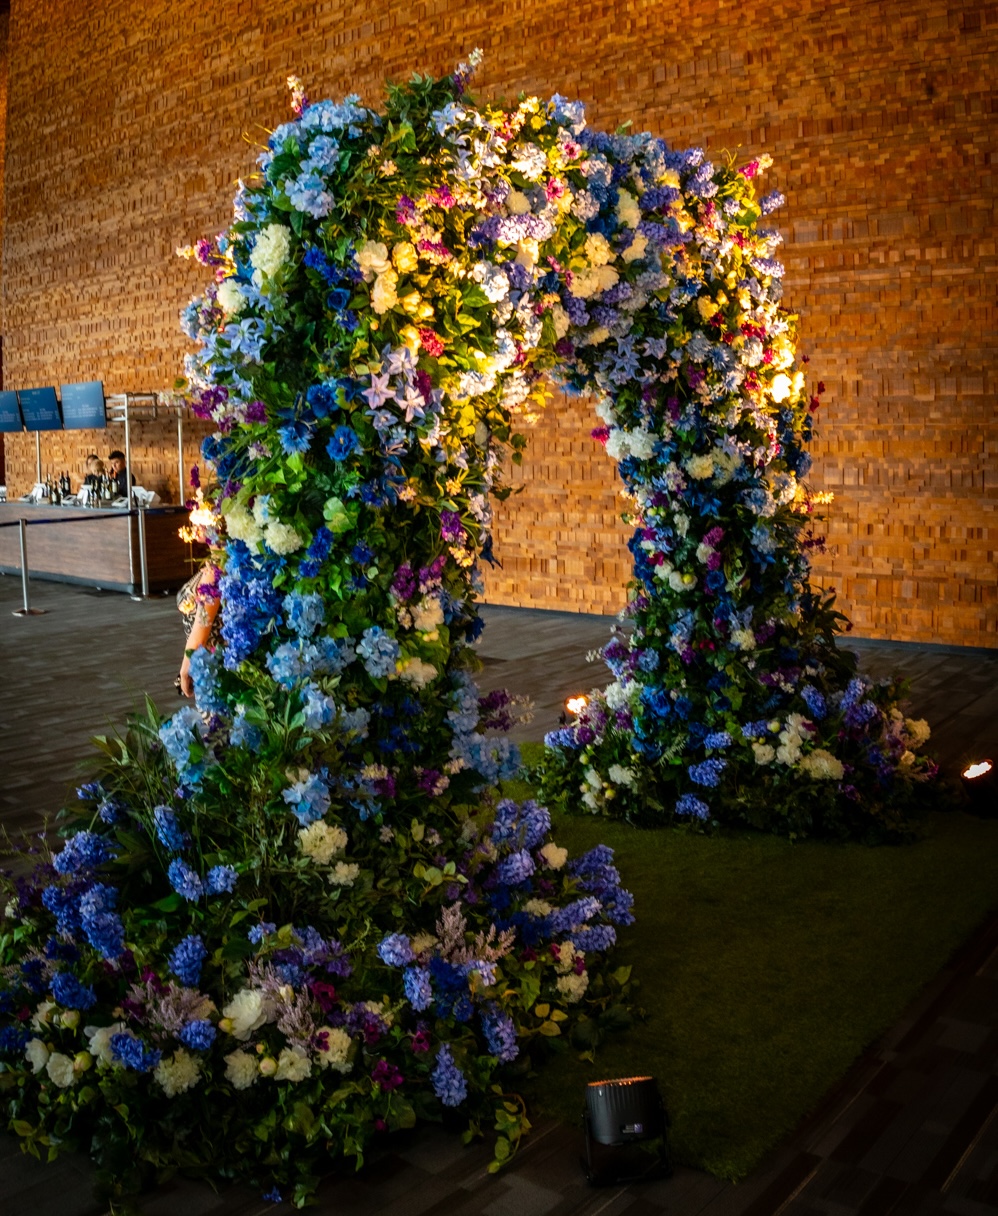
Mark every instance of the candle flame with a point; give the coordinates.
(977, 770)
(576, 704)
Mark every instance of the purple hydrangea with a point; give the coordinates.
(395, 950)
(221, 879)
(185, 881)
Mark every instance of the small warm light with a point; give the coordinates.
(576, 704)
(977, 770)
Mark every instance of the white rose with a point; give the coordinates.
(764, 753)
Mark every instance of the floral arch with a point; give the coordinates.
(304, 893)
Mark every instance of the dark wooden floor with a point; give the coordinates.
(912, 1130)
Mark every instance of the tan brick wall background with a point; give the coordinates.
(124, 126)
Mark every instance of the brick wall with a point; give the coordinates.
(123, 141)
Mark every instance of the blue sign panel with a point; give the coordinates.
(40, 409)
(83, 405)
(10, 413)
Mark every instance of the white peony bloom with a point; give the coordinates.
(620, 775)
(241, 1069)
(60, 1070)
(428, 614)
(179, 1073)
(333, 1048)
(37, 1055)
(42, 1016)
(700, 467)
(780, 387)
(100, 1040)
(628, 211)
(248, 1011)
(764, 753)
(293, 1065)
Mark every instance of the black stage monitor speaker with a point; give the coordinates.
(625, 1124)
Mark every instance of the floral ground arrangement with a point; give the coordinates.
(299, 915)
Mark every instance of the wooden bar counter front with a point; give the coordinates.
(91, 546)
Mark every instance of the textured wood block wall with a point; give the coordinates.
(123, 141)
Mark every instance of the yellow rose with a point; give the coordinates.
(405, 257)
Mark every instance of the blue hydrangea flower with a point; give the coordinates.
(168, 830)
(418, 989)
(82, 852)
(395, 950)
(126, 1049)
(515, 868)
(258, 932)
(689, 804)
(814, 701)
(500, 1034)
(380, 652)
(243, 732)
(185, 881)
(221, 879)
(70, 993)
(178, 733)
(197, 1035)
(718, 739)
(186, 960)
(708, 772)
(205, 668)
(449, 1083)
(304, 613)
(309, 799)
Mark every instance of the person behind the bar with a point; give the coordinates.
(95, 469)
(116, 463)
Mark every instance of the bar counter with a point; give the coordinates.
(97, 547)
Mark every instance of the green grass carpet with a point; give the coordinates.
(766, 968)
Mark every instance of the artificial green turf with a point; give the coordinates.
(766, 968)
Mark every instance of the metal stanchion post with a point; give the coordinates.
(27, 610)
(143, 561)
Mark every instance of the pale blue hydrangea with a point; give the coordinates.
(309, 799)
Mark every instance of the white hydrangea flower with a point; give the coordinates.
(572, 987)
(241, 1069)
(917, 730)
(270, 252)
(178, 1074)
(281, 538)
(231, 297)
(822, 765)
(428, 614)
(628, 211)
(537, 907)
(321, 841)
(764, 753)
(598, 249)
(416, 672)
(344, 874)
(743, 639)
(620, 775)
(700, 467)
(517, 203)
(240, 525)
